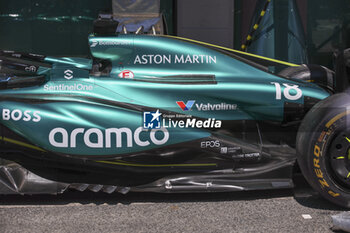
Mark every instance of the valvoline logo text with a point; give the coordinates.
(187, 106)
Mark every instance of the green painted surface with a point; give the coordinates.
(85, 107)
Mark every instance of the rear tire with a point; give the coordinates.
(323, 148)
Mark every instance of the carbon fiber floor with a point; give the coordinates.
(267, 211)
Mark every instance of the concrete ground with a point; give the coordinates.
(258, 211)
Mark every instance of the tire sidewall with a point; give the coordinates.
(315, 136)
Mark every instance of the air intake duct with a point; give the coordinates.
(105, 25)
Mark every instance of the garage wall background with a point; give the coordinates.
(60, 27)
(48, 26)
(54, 27)
(206, 20)
(325, 25)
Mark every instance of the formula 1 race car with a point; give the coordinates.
(167, 114)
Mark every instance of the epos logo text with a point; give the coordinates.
(187, 106)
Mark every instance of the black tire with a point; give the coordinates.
(323, 148)
(317, 74)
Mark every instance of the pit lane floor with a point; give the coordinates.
(253, 211)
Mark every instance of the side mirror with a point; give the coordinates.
(105, 25)
(342, 70)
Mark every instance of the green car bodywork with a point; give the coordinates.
(79, 120)
(165, 70)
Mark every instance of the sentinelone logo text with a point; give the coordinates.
(71, 87)
(206, 107)
(153, 120)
